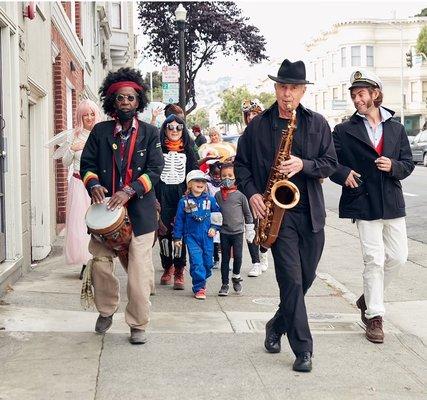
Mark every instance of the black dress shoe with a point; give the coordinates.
(82, 272)
(272, 338)
(303, 362)
(103, 323)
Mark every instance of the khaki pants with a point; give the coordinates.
(140, 280)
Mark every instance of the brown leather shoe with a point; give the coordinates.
(166, 278)
(361, 305)
(179, 279)
(374, 330)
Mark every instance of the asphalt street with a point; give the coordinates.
(415, 193)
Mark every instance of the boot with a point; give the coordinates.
(166, 278)
(179, 279)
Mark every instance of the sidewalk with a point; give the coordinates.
(213, 349)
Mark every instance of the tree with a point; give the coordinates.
(199, 117)
(157, 85)
(423, 13)
(231, 110)
(422, 41)
(212, 28)
(267, 99)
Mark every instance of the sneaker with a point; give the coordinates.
(224, 290)
(237, 286)
(256, 270)
(263, 259)
(201, 294)
(216, 265)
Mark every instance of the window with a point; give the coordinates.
(116, 20)
(324, 100)
(343, 57)
(333, 63)
(316, 101)
(369, 56)
(335, 93)
(343, 91)
(355, 56)
(424, 95)
(315, 71)
(414, 92)
(323, 67)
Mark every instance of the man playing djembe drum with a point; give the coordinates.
(122, 159)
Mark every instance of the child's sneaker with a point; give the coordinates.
(237, 286)
(255, 271)
(201, 294)
(224, 290)
(263, 261)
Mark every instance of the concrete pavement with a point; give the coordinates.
(213, 349)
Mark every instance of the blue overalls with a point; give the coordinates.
(192, 223)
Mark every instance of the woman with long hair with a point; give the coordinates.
(76, 236)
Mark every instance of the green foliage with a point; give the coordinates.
(157, 85)
(422, 41)
(423, 13)
(199, 117)
(231, 110)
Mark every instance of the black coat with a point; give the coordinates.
(380, 195)
(257, 148)
(147, 160)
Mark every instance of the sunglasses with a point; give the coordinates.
(121, 97)
(177, 128)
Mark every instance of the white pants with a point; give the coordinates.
(385, 250)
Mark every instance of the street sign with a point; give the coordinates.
(418, 59)
(170, 92)
(170, 73)
(339, 104)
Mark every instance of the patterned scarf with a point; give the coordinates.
(226, 191)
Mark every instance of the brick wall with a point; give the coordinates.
(61, 72)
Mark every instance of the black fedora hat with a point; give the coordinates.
(290, 72)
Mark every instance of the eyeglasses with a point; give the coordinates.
(121, 97)
(177, 128)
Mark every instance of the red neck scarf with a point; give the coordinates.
(226, 191)
(176, 145)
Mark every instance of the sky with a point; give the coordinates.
(288, 25)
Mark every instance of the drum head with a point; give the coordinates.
(98, 217)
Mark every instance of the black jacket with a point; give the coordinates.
(380, 195)
(97, 165)
(257, 148)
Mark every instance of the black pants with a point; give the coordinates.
(166, 253)
(216, 252)
(227, 242)
(254, 252)
(296, 253)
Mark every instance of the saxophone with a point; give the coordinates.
(280, 194)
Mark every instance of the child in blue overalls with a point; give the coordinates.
(198, 218)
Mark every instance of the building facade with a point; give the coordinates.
(376, 45)
(52, 55)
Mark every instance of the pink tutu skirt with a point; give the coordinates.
(76, 236)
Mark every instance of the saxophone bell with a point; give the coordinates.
(285, 194)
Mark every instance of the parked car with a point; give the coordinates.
(231, 139)
(419, 148)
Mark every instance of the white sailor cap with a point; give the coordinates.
(362, 78)
(197, 175)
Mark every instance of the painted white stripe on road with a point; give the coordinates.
(410, 194)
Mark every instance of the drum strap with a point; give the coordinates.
(128, 173)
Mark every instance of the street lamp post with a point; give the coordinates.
(180, 16)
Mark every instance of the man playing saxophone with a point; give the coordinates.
(300, 238)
